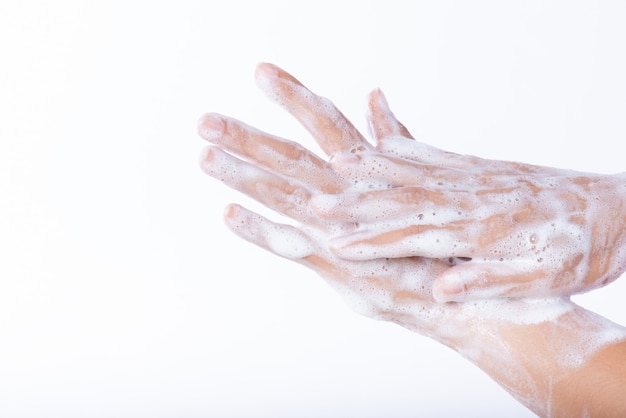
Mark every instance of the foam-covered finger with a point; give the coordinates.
(373, 288)
(397, 241)
(413, 204)
(328, 126)
(285, 196)
(373, 169)
(385, 170)
(383, 122)
(424, 153)
(290, 242)
(437, 158)
(491, 279)
(283, 240)
(280, 155)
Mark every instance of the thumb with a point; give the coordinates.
(490, 279)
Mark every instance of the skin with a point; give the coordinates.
(553, 356)
(529, 230)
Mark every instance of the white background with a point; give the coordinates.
(121, 292)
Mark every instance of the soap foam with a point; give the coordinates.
(399, 289)
(543, 215)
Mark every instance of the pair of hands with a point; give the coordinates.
(399, 226)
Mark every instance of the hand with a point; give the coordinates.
(504, 337)
(285, 176)
(524, 230)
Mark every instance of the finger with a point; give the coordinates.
(391, 137)
(328, 126)
(413, 240)
(447, 231)
(382, 121)
(384, 171)
(276, 192)
(290, 242)
(413, 204)
(426, 154)
(369, 287)
(397, 171)
(280, 239)
(276, 154)
(491, 279)
(436, 158)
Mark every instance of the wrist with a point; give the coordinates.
(531, 347)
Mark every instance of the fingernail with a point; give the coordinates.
(207, 154)
(210, 126)
(266, 70)
(379, 96)
(230, 211)
(206, 158)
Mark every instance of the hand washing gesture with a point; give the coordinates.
(524, 230)
(402, 217)
(285, 177)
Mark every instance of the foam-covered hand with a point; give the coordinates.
(524, 230)
(505, 337)
(285, 176)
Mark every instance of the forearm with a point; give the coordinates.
(597, 387)
(569, 365)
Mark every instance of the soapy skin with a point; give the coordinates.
(552, 355)
(528, 230)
